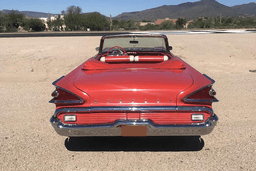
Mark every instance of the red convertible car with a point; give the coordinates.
(134, 86)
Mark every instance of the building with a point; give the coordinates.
(53, 18)
(146, 23)
(159, 21)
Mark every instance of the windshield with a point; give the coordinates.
(134, 43)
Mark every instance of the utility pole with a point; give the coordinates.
(110, 19)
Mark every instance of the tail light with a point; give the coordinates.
(197, 117)
(70, 118)
(61, 95)
(202, 95)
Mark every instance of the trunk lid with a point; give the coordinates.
(137, 87)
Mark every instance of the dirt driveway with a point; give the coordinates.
(28, 66)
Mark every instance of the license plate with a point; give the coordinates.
(134, 131)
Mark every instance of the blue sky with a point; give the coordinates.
(106, 7)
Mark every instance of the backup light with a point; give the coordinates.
(202, 95)
(70, 118)
(212, 92)
(197, 117)
(55, 93)
(62, 96)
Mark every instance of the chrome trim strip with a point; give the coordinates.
(66, 101)
(54, 83)
(212, 80)
(149, 109)
(80, 101)
(136, 35)
(201, 100)
(114, 129)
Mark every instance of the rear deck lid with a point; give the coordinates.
(121, 87)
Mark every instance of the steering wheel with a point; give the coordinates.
(116, 50)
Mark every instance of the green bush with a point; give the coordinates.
(167, 25)
(34, 25)
(72, 18)
(12, 21)
(180, 23)
(223, 22)
(149, 27)
(95, 21)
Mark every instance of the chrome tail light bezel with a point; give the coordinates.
(211, 93)
(56, 93)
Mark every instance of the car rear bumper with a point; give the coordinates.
(114, 129)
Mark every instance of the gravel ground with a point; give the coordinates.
(28, 66)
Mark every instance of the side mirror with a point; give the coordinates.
(170, 47)
(97, 49)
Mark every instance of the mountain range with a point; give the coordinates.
(188, 10)
(246, 8)
(33, 14)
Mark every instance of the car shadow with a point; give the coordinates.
(129, 144)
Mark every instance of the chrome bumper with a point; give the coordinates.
(140, 109)
(72, 130)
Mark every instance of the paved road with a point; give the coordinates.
(102, 33)
(59, 34)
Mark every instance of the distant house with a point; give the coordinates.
(45, 20)
(146, 23)
(159, 21)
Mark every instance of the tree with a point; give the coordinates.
(180, 23)
(197, 23)
(167, 25)
(247, 22)
(131, 25)
(95, 21)
(13, 20)
(149, 27)
(122, 24)
(227, 22)
(57, 24)
(34, 25)
(49, 23)
(72, 17)
(208, 23)
(115, 24)
(1, 22)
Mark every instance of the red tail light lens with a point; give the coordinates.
(61, 95)
(203, 95)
